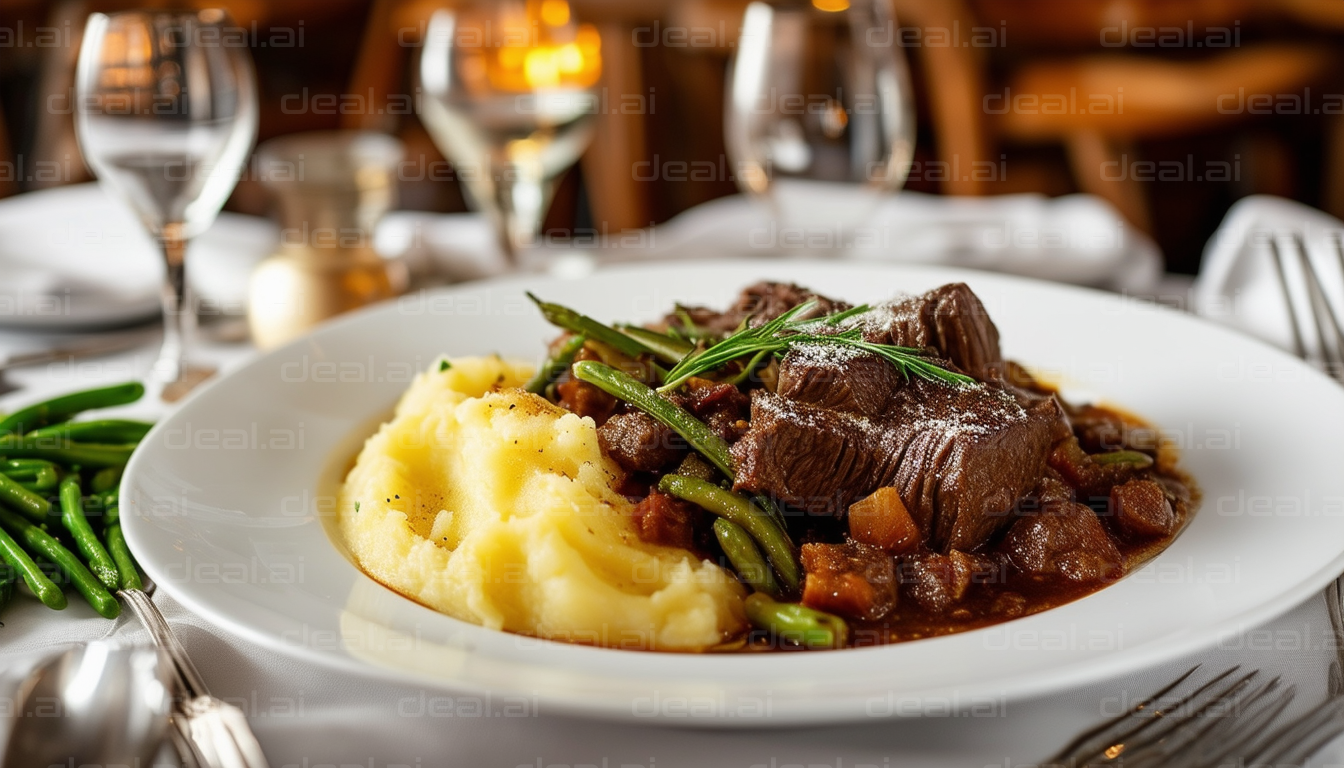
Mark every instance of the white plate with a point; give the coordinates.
(224, 505)
(72, 257)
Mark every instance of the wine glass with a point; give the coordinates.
(507, 92)
(166, 113)
(819, 120)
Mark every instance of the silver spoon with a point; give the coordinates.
(94, 704)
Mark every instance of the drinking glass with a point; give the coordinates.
(507, 93)
(166, 113)
(819, 120)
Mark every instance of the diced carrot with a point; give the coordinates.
(882, 520)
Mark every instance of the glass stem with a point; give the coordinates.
(522, 196)
(179, 317)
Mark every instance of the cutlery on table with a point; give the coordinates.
(90, 347)
(113, 706)
(207, 732)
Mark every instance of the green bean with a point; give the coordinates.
(64, 452)
(72, 517)
(625, 387)
(61, 408)
(105, 480)
(745, 557)
(564, 317)
(771, 537)
(116, 545)
(1137, 458)
(555, 366)
(113, 431)
(33, 474)
(668, 349)
(796, 623)
(111, 511)
(21, 562)
(29, 503)
(85, 583)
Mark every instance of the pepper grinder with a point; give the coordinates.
(332, 188)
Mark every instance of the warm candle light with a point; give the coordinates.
(831, 6)
(540, 49)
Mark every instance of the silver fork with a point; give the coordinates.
(208, 732)
(1229, 719)
(1324, 328)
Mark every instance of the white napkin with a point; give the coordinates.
(1238, 282)
(1076, 239)
(74, 256)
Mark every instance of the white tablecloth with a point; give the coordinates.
(306, 716)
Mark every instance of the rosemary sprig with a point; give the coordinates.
(785, 332)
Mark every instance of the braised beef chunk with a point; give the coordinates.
(853, 580)
(667, 520)
(961, 457)
(836, 378)
(1141, 509)
(722, 406)
(950, 320)
(937, 582)
(1065, 540)
(760, 302)
(639, 443)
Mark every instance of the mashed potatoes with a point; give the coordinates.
(490, 504)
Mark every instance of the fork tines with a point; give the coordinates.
(1317, 333)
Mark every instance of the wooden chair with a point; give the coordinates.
(1039, 101)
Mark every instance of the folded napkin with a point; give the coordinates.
(1075, 239)
(1238, 283)
(75, 257)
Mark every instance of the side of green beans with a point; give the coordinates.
(8, 579)
(746, 558)
(22, 563)
(128, 576)
(107, 431)
(29, 503)
(625, 387)
(796, 623)
(666, 348)
(555, 366)
(576, 322)
(62, 451)
(1137, 458)
(772, 538)
(84, 582)
(72, 517)
(61, 408)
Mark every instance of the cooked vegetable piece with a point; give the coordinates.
(1133, 458)
(33, 474)
(105, 480)
(796, 623)
(65, 452)
(107, 431)
(746, 558)
(771, 537)
(22, 563)
(127, 575)
(664, 519)
(668, 349)
(882, 520)
(853, 580)
(84, 582)
(551, 370)
(61, 408)
(577, 322)
(72, 517)
(17, 497)
(627, 388)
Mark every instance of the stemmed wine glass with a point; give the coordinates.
(507, 92)
(166, 114)
(819, 120)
